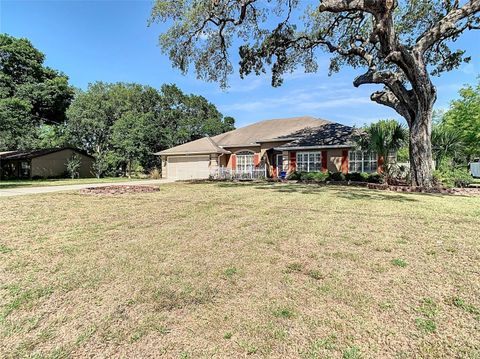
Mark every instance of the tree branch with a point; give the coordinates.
(447, 26)
(392, 81)
(387, 98)
(337, 6)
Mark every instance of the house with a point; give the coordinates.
(274, 147)
(45, 163)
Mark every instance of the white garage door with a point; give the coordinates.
(188, 167)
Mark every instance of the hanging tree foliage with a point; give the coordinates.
(401, 44)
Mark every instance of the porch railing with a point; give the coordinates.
(225, 173)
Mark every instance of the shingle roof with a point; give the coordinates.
(200, 146)
(267, 130)
(262, 131)
(20, 155)
(330, 134)
(6, 153)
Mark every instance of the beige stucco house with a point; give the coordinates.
(276, 147)
(45, 163)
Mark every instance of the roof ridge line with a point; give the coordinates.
(213, 143)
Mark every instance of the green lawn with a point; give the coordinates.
(59, 182)
(233, 270)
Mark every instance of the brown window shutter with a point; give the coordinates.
(293, 161)
(256, 159)
(344, 167)
(324, 161)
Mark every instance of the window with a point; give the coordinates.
(25, 169)
(244, 161)
(362, 161)
(309, 162)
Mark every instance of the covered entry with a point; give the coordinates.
(188, 167)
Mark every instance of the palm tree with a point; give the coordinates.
(384, 137)
(446, 142)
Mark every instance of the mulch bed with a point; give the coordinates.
(119, 189)
(455, 191)
(471, 191)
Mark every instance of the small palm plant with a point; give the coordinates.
(446, 143)
(384, 138)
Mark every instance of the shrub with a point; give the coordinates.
(155, 174)
(356, 177)
(458, 177)
(314, 176)
(336, 176)
(294, 176)
(374, 178)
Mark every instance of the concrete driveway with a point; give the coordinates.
(73, 187)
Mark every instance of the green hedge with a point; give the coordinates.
(335, 177)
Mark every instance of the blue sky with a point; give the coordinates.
(110, 41)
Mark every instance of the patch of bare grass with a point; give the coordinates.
(226, 270)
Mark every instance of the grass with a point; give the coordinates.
(4, 184)
(234, 270)
(399, 262)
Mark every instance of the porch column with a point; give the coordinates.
(164, 167)
(214, 163)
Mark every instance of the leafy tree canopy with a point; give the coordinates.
(120, 123)
(463, 117)
(31, 94)
(400, 43)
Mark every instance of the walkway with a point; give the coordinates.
(73, 187)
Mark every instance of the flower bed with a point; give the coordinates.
(400, 188)
(442, 190)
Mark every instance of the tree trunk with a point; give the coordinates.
(421, 160)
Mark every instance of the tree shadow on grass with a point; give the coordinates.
(360, 195)
(344, 192)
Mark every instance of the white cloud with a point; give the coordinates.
(302, 101)
(248, 84)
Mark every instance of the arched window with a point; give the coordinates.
(244, 161)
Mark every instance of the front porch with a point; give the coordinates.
(279, 163)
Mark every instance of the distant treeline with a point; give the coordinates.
(120, 124)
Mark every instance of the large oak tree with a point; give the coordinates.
(32, 95)
(401, 44)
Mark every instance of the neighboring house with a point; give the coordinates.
(273, 146)
(46, 163)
